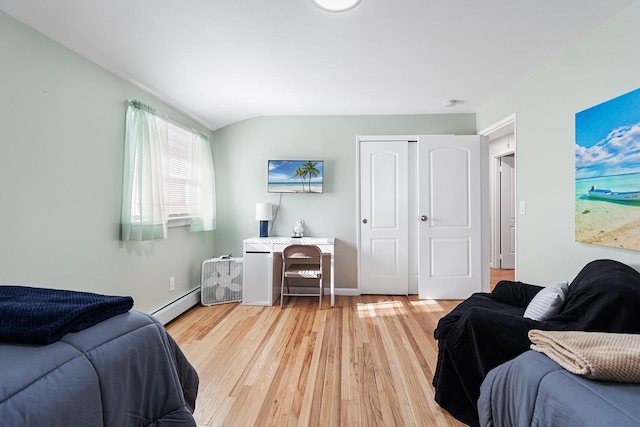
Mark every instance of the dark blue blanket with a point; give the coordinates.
(42, 316)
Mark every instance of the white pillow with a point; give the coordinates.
(547, 302)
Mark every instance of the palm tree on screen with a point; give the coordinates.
(311, 170)
(302, 173)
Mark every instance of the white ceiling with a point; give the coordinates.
(222, 61)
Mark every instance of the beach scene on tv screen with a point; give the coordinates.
(295, 176)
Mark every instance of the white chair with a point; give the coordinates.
(301, 262)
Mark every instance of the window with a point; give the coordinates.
(168, 175)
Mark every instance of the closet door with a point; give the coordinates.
(450, 200)
(420, 204)
(383, 247)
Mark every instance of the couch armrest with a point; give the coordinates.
(518, 294)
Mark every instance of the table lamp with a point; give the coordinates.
(264, 214)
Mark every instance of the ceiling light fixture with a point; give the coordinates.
(450, 103)
(336, 5)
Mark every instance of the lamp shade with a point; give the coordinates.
(264, 212)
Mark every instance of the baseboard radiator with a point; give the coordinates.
(175, 308)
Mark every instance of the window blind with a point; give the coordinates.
(182, 198)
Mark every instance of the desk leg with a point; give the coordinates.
(333, 290)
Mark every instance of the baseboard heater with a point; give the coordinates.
(175, 308)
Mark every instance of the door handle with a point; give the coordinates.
(423, 218)
(364, 221)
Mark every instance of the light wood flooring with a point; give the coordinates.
(498, 274)
(368, 361)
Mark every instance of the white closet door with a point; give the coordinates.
(384, 248)
(450, 248)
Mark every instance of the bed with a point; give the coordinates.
(122, 370)
(534, 390)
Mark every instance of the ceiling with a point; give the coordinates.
(226, 61)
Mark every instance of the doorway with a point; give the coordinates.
(503, 161)
(507, 212)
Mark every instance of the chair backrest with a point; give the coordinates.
(306, 254)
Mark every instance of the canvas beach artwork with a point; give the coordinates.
(295, 176)
(607, 173)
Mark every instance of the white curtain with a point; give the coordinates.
(204, 183)
(146, 136)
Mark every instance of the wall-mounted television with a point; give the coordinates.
(295, 176)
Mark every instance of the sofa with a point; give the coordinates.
(489, 329)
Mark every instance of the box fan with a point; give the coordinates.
(221, 280)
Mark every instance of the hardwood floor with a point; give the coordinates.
(368, 361)
(498, 274)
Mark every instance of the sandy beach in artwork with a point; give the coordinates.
(608, 223)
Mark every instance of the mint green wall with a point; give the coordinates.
(61, 170)
(601, 67)
(61, 139)
(241, 152)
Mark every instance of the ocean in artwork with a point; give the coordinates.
(607, 222)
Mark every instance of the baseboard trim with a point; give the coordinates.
(175, 308)
(343, 291)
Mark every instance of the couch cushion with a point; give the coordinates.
(547, 302)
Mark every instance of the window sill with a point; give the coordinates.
(178, 222)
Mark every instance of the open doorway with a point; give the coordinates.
(506, 212)
(502, 176)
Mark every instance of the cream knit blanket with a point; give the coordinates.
(595, 355)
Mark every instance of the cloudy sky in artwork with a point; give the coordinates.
(608, 138)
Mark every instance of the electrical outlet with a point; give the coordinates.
(172, 284)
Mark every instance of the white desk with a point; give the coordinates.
(262, 269)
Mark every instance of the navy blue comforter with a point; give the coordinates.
(42, 316)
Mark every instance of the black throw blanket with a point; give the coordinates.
(42, 316)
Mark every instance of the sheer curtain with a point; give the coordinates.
(146, 136)
(204, 184)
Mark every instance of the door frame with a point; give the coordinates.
(503, 126)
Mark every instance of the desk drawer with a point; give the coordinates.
(257, 247)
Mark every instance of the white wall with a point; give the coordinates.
(241, 152)
(61, 156)
(601, 67)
